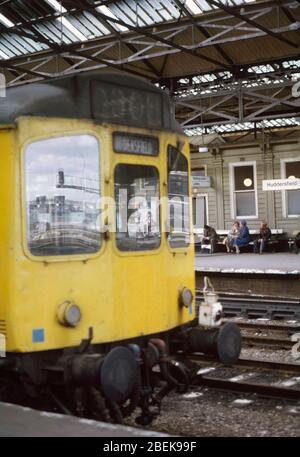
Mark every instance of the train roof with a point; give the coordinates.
(104, 97)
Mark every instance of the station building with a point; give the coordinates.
(228, 183)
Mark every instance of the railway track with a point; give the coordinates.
(267, 334)
(243, 362)
(268, 341)
(265, 326)
(256, 306)
(261, 389)
(256, 378)
(264, 378)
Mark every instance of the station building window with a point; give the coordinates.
(291, 198)
(62, 187)
(200, 201)
(200, 211)
(243, 190)
(200, 171)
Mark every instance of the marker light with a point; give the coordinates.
(186, 297)
(69, 314)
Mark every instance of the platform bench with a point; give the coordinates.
(272, 243)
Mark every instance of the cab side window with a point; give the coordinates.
(137, 207)
(178, 199)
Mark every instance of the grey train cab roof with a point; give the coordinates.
(104, 97)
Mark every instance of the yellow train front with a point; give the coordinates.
(97, 267)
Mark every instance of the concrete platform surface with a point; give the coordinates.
(19, 421)
(281, 263)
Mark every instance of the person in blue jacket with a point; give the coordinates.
(243, 238)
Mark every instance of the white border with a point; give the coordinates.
(232, 165)
(283, 192)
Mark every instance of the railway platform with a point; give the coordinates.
(281, 263)
(251, 282)
(18, 421)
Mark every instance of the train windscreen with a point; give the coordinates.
(62, 182)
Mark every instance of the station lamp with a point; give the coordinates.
(247, 182)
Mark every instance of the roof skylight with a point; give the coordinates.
(193, 7)
(103, 9)
(65, 22)
(6, 21)
(3, 55)
(245, 126)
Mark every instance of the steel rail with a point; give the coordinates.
(256, 305)
(251, 363)
(268, 341)
(263, 390)
(234, 384)
(253, 298)
(266, 326)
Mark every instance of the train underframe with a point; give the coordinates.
(109, 382)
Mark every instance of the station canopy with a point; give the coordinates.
(229, 66)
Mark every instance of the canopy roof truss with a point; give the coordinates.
(170, 42)
(208, 101)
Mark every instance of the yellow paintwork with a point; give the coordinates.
(121, 295)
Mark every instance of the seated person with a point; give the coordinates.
(264, 236)
(243, 238)
(232, 236)
(297, 243)
(209, 237)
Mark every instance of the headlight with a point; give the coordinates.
(186, 297)
(69, 314)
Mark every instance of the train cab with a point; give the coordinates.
(97, 256)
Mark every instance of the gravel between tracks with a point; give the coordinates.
(208, 412)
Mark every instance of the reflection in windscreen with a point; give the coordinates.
(137, 203)
(62, 195)
(178, 192)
